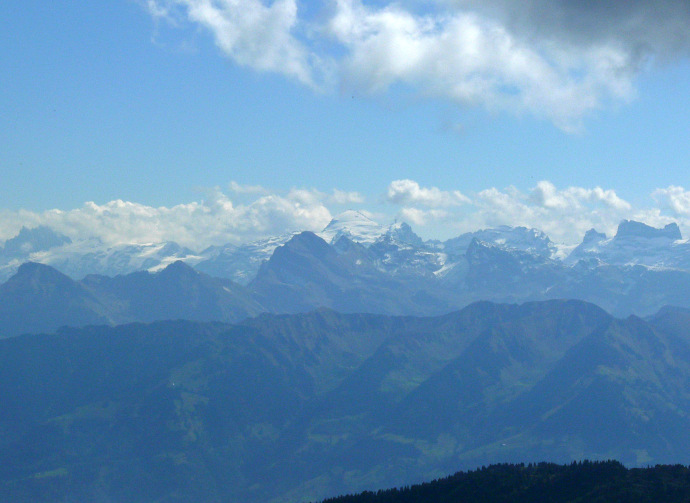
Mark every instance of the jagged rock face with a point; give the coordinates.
(397, 247)
(307, 273)
(592, 236)
(631, 229)
(239, 263)
(33, 240)
(510, 238)
(636, 244)
(402, 232)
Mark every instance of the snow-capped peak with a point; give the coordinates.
(401, 231)
(354, 225)
(636, 243)
(510, 238)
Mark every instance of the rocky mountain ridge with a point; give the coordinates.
(634, 244)
(638, 271)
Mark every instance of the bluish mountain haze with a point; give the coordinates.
(301, 407)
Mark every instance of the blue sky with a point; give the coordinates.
(489, 112)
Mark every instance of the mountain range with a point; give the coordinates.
(310, 365)
(39, 298)
(300, 407)
(394, 246)
(354, 265)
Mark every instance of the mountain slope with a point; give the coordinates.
(299, 407)
(176, 292)
(41, 299)
(38, 298)
(307, 272)
(28, 241)
(239, 263)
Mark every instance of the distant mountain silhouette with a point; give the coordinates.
(40, 299)
(33, 240)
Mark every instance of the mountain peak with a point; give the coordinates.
(179, 268)
(401, 231)
(593, 236)
(33, 273)
(31, 268)
(33, 240)
(631, 228)
(508, 238)
(307, 240)
(351, 216)
(355, 225)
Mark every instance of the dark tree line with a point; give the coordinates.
(579, 482)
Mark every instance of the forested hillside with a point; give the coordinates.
(579, 482)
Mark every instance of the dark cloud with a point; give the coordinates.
(656, 28)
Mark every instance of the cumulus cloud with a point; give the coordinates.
(546, 195)
(473, 59)
(214, 220)
(565, 214)
(557, 59)
(675, 198)
(249, 32)
(409, 193)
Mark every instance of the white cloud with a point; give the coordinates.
(421, 217)
(159, 11)
(249, 32)
(564, 214)
(215, 220)
(545, 194)
(675, 198)
(554, 59)
(470, 59)
(247, 189)
(642, 28)
(409, 193)
(342, 197)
